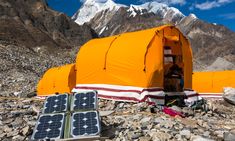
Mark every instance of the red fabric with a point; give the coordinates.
(172, 112)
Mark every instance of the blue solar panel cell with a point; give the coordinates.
(49, 126)
(85, 101)
(56, 104)
(85, 124)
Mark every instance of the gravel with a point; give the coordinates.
(127, 121)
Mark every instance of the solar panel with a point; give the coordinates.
(85, 124)
(56, 104)
(85, 101)
(49, 126)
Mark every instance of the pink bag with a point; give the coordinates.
(172, 112)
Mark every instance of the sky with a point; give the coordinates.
(213, 11)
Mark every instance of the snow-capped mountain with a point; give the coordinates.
(91, 7)
(160, 9)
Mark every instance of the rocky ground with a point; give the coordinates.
(22, 67)
(129, 121)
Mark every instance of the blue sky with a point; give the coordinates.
(213, 11)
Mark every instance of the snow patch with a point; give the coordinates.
(102, 30)
(158, 8)
(193, 16)
(91, 7)
(133, 10)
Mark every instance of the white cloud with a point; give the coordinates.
(168, 2)
(212, 4)
(228, 16)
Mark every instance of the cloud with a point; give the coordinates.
(229, 16)
(212, 4)
(168, 2)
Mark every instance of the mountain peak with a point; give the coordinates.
(193, 16)
(91, 7)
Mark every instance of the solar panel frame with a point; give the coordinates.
(72, 127)
(74, 100)
(46, 101)
(61, 129)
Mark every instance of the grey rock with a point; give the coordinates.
(219, 133)
(25, 130)
(18, 138)
(176, 108)
(206, 134)
(2, 135)
(185, 133)
(160, 136)
(229, 136)
(199, 138)
(136, 135)
(105, 113)
(13, 133)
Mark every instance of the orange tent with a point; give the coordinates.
(57, 80)
(129, 66)
(211, 84)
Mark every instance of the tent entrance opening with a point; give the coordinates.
(173, 67)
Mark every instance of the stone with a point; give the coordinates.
(158, 120)
(199, 138)
(229, 136)
(12, 133)
(25, 130)
(219, 133)
(144, 139)
(185, 133)
(2, 135)
(160, 136)
(7, 129)
(176, 108)
(136, 117)
(18, 138)
(146, 119)
(200, 122)
(105, 113)
(187, 111)
(16, 93)
(205, 125)
(17, 122)
(7, 121)
(121, 105)
(206, 134)
(136, 135)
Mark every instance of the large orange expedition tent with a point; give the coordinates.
(128, 67)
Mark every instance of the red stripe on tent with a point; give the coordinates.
(118, 90)
(118, 97)
(153, 89)
(131, 98)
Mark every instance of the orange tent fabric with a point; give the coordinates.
(57, 80)
(213, 82)
(129, 66)
(132, 59)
